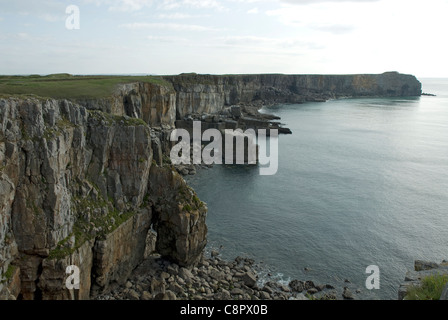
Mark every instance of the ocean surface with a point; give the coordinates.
(360, 182)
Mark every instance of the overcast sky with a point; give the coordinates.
(225, 36)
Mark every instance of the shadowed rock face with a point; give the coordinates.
(155, 104)
(180, 217)
(82, 182)
(74, 191)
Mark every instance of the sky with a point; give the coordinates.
(224, 36)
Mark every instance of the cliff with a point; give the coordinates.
(75, 190)
(210, 93)
(83, 181)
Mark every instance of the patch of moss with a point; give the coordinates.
(430, 289)
(146, 201)
(111, 119)
(166, 160)
(134, 121)
(25, 135)
(82, 232)
(64, 123)
(187, 194)
(197, 202)
(32, 205)
(10, 272)
(7, 276)
(61, 249)
(61, 126)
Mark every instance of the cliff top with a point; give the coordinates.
(66, 86)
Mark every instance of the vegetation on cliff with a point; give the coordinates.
(66, 86)
(430, 289)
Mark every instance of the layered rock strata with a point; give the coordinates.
(80, 187)
(422, 269)
(84, 182)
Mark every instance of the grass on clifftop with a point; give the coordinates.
(66, 86)
(431, 288)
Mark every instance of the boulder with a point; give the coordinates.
(347, 294)
(420, 265)
(249, 279)
(146, 296)
(235, 111)
(297, 286)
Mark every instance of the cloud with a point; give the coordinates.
(202, 3)
(251, 1)
(23, 35)
(334, 28)
(166, 26)
(300, 2)
(253, 11)
(130, 5)
(15, 39)
(179, 16)
(50, 10)
(273, 43)
(166, 39)
(196, 4)
(136, 5)
(121, 5)
(335, 17)
(52, 17)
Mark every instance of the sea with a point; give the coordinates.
(360, 182)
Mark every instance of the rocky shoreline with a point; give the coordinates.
(83, 180)
(421, 270)
(242, 116)
(214, 278)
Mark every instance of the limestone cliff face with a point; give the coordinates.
(74, 190)
(180, 222)
(155, 104)
(82, 182)
(210, 93)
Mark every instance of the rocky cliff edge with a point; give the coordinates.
(82, 182)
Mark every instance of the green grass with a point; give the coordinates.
(114, 119)
(83, 230)
(65, 86)
(8, 274)
(430, 289)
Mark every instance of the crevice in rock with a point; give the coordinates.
(38, 292)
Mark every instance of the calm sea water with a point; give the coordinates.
(360, 182)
